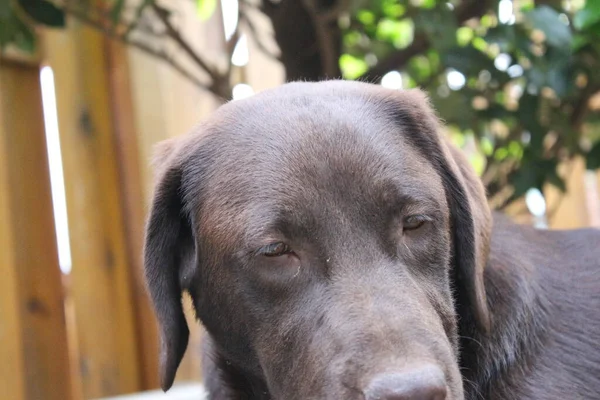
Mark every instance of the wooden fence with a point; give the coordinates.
(91, 333)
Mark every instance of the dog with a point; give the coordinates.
(337, 246)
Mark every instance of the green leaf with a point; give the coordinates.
(547, 20)
(14, 31)
(526, 5)
(528, 116)
(399, 33)
(593, 157)
(579, 42)
(366, 17)
(439, 25)
(393, 10)
(420, 68)
(464, 35)
(502, 35)
(427, 3)
(352, 67)
(205, 8)
(5, 10)
(487, 147)
(116, 10)
(477, 161)
(44, 12)
(588, 15)
(534, 174)
(467, 60)
(352, 38)
(25, 39)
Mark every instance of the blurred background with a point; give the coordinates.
(87, 87)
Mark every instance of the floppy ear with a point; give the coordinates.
(469, 280)
(169, 249)
(469, 211)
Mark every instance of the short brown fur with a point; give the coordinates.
(333, 169)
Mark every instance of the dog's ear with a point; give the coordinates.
(469, 211)
(471, 237)
(168, 251)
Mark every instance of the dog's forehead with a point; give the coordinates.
(303, 144)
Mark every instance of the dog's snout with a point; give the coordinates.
(420, 383)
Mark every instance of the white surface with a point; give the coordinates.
(189, 391)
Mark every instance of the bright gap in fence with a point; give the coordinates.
(57, 181)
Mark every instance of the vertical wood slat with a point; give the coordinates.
(168, 105)
(100, 278)
(35, 346)
(572, 211)
(155, 88)
(133, 204)
(11, 358)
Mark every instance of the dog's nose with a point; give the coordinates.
(421, 383)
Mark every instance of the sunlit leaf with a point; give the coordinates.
(478, 163)
(392, 9)
(480, 44)
(366, 17)
(352, 67)
(486, 146)
(352, 38)
(420, 67)
(427, 3)
(526, 5)
(205, 8)
(399, 33)
(464, 35)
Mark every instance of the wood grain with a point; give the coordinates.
(34, 350)
(100, 279)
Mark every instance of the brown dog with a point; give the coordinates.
(336, 247)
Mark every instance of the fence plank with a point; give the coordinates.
(161, 113)
(37, 364)
(100, 281)
(11, 358)
(154, 89)
(569, 210)
(133, 205)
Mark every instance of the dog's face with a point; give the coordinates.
(328, 237)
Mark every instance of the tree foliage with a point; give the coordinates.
(516, 81)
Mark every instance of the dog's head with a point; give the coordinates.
(329, 237)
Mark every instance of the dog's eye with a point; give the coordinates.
(413, 222)
(274, 249)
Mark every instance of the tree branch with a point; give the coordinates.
(246, 20)
(174, 34)
(322, 21)
(396, 60)
(581, 106)
(297, 41)
(156, 53)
